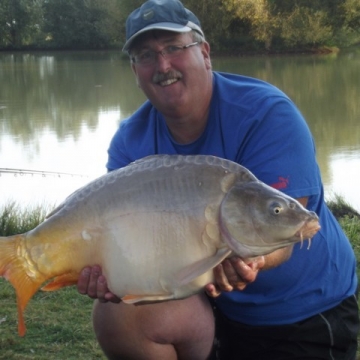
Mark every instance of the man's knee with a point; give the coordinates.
(107, 328)
(182, 327)
(123, 333)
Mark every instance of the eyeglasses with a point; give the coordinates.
(148, 57)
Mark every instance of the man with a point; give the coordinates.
(302, 304)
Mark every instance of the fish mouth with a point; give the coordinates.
(308, 230)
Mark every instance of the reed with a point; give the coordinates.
(15, 219)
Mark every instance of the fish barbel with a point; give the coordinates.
(157, 227)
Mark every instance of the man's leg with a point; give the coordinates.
(179, 329)
(328, 335)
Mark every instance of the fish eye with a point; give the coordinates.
(276, 208)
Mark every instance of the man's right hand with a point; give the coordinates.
(92, 283)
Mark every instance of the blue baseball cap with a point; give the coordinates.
(170, 15)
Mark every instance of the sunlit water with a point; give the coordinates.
(58, 112)
(67, 164)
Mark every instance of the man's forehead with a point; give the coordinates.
(160, 36)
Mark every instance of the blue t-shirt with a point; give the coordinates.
(256, 125)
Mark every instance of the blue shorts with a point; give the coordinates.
(328, 335)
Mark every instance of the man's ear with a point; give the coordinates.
(205, 49)
(133, 68)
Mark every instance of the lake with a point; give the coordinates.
(59, 110)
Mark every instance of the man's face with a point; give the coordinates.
(174, 86)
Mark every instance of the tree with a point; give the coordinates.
(228, 24)
(81, 23)
(304, 26)
(20, 22)
(351, 9)
(258, 14)
(298, 23)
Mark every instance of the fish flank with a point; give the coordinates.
(153, 163)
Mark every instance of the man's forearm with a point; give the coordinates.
(277, 257)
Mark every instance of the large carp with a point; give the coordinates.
(157, 228)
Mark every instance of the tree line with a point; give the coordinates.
(230, 26)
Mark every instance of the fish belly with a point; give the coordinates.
(146, 253)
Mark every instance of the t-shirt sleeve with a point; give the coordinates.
(278, 148)
(117, 155)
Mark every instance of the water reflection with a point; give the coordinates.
(58, 93)
(58, 112)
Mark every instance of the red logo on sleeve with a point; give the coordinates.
(281, 184)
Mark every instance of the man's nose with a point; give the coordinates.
(162, 62)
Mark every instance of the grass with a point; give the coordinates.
(349, 220)
(58, 327)
(16, 220)
(59, 323)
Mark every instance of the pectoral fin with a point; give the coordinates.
(61, 281)
(132, 299)
(193, 271)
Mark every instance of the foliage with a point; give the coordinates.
(229, 25)
(351, 14)
(349, 219)
(306, 27)
(342, 209)
(215, 20)
(20, 22)
(258, 15)
(297, 24)
(16, 220)
(81, 24)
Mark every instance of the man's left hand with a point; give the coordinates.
(234, 274)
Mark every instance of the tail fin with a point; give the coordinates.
(16, 267)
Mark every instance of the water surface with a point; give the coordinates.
(59, 110)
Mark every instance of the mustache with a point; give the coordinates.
(159, 77)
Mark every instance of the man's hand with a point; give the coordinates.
(234, 274)
(92, 283)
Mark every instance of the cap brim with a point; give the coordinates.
(159, 26)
